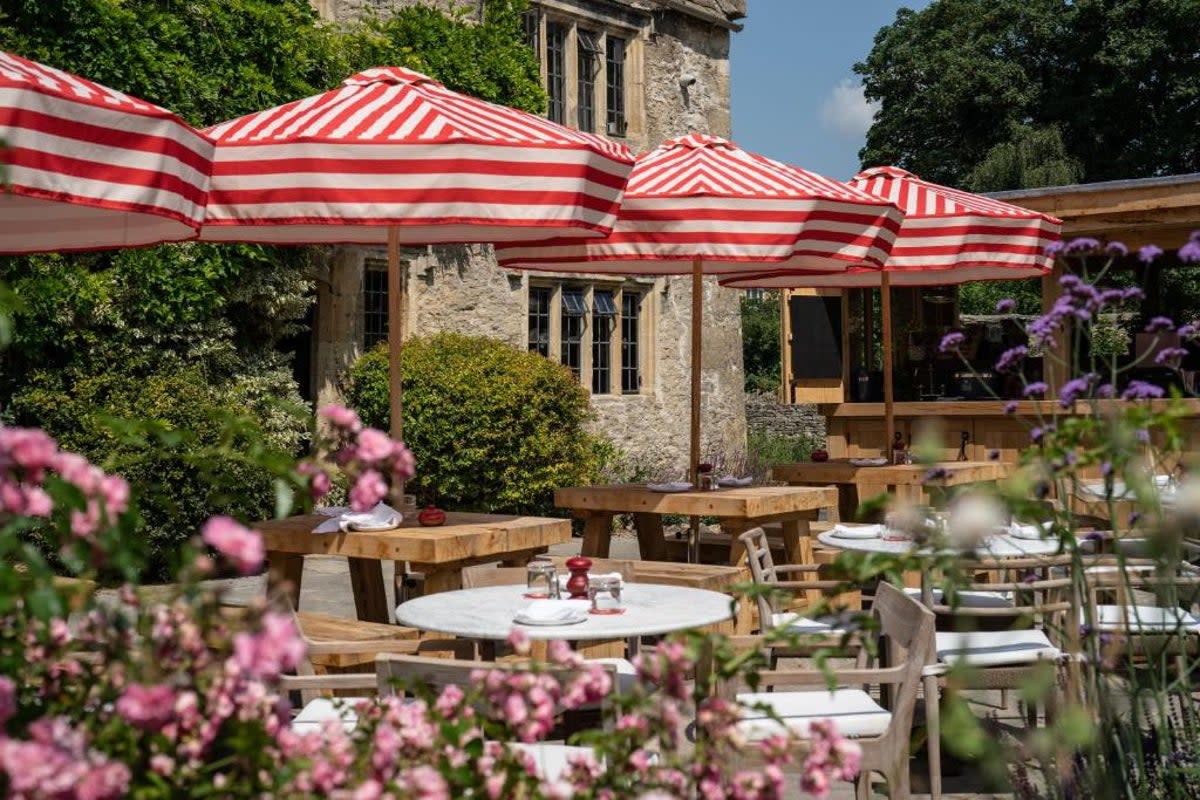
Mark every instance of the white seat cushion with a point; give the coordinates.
(553, 759)
(1144, 619)
(853, 711)
(626, 672)
(968, 599)
(994, 648)
(799, 624)
(316, 713)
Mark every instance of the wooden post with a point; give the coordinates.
(697, 339)
(885, 298)
(395, 331)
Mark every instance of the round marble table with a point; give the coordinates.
(487, 613)
(1003, 546)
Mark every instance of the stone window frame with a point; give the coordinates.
(600, 25)
(618, 287)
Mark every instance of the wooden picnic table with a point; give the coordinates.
(737, 510)
(440, 553)
(905, 481)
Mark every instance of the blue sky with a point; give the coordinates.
(795, 96)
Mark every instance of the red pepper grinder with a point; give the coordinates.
(577, 584)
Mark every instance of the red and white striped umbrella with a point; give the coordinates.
(702, 197)
(948, 237)
(700, 204)
(394, 148)
(85, 167)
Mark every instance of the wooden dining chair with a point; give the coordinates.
(1002, 627)
(792, 699)
(812, 590)
(1144, 608)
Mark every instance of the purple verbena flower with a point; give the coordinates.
(1053, 249)
(1036, 388)
(1010, 407)
(1106, 469)
(1011, 358)
(1070, 391)
(1082, 244)
(1157, 324)
(1140, 390)
(1190, 252)
(1149, 253)
(1170, 356)
(1036, 435)
(951, 342)
(1069, 281)
(993, 455)
(1189, 330)
(1116, 249)
(1134, 293)
(1105, 391)
(1006, 306)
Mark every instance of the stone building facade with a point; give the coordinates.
(660, 69)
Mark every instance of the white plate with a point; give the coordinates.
(674, 486)
(868, 462)
(1025, 531)
(732, 482)
(548, 623)
(857, 531)
(366, 527)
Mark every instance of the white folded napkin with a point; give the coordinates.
(1019, 530)
(550, 612)
(564, 577)
(857, 531)
(673, 486)
(734, 481)
(381, 517)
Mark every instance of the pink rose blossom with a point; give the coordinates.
(374, 445)
(237, 543)
(274, 650)
(341, 417)
(367, 491)
(147, 707)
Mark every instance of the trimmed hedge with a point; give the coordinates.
(494, 428)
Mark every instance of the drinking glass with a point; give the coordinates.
(893, 530)
(541, 582)
(605, 593)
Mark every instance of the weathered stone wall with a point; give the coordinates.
(686, 89)
(765, 413)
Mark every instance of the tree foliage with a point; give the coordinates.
(760, 341)
(985, 88)
(494, 428)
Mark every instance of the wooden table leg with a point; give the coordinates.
(793, 531)
(597, 533)
(284, 571)
(442, 577)
(366, 581)
(652, 545)
(735, 528)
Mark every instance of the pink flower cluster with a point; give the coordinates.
(369, 456)
(149, 708)
(27, 454)
(831, 757)
(55, 762)
(269, 653)
(242, 546)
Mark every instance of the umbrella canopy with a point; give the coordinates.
(948, 237)
(701, 204)
(86, 167)
(702, 197)
(395, 148)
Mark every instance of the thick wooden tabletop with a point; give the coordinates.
(465, 536)
(948, 473)
(752, 502)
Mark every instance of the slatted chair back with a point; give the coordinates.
(1037, 590)
(1146, 583)
(766, 572)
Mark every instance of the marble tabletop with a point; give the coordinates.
(1003, 546)
(487, 613)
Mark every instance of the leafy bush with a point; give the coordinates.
(192, 448)
(494, 428)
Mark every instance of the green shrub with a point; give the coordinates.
(494, 428)
(189, 448)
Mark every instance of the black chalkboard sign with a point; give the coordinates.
(816, 337)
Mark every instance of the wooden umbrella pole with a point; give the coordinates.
(694, 450)
(889, 414)
(395, 340)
